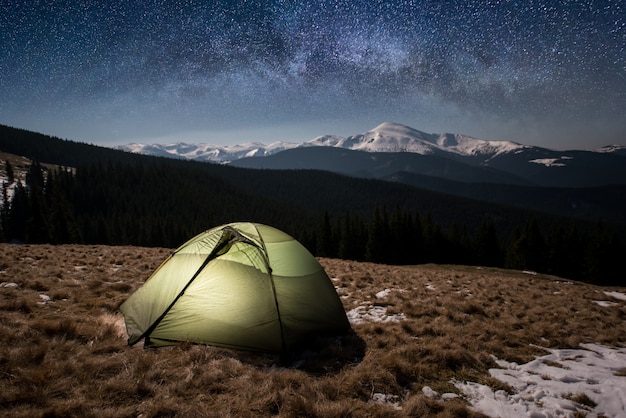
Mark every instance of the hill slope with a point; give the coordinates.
(600, 203)
(378, 164)
(504, 162)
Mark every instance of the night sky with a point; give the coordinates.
(548, 73)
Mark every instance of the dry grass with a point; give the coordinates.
(63, 346)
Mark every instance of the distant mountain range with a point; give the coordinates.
(399, 153)
(386, 137)
(461, 179)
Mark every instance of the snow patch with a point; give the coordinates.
(606, 303)
(549, 162)
(9, 285)
(384, 293)
(616, 295)
(557, 384)
(342, 292)
(433, 394)
(611, 148)
(362, 314)
(392, 401)
(429, 393)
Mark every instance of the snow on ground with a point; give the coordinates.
(616, 295)
(10, 187)
(548, 162)
(392, 401)
(609, 303)
(384, 293)
(606, 303)
(9, 284)
(372, 313)
(565, 383)
(590, 381)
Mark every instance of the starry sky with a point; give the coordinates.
(547, 73)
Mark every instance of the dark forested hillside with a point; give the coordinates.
(44, 148)
(101, 196)
(607, 203)
(586, 198)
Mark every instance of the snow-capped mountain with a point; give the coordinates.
(207, 152)
(391, 151)
(394, 137)
(386, 137)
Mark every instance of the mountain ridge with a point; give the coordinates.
(527, 166)
(386, 137)
(392, 146)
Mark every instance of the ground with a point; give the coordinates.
(417, 332)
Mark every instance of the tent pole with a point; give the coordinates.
(284, 352)
(213, 254)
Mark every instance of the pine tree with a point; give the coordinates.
(325, 245)
(37, 225)
(487, 251)
(417, 234)
(349, 238)
(402, 243)
(4, 214)
(528, 249)
(9, 171)
(63, 226)
(459, 248)
(435, 243)
(377, 248)
(18, 215)
(602, 261)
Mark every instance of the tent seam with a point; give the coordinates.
(271, 274)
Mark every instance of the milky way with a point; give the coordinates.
(551, 73)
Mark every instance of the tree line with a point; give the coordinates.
(165, 203)
(575, 251)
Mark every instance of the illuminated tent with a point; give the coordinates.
(242, 285)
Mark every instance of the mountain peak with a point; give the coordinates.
(393, 137)
(397, 129)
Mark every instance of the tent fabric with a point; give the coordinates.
(242, 285)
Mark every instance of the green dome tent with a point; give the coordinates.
(242, 285)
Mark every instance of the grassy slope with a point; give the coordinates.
(68, 356)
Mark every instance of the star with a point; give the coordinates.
(552, 73)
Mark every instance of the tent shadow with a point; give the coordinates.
(320, 356)
(327, 355)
